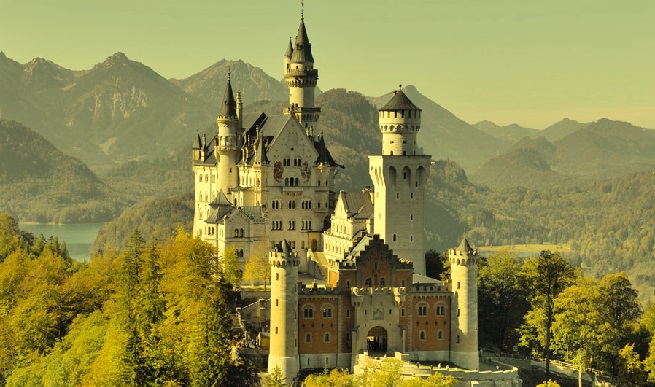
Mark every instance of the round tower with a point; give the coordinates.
(464, 314)
(301, 78)
(227, 143)
(284, 311)
(400, 121)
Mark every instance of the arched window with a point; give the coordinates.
(422, 309)
(394, 237)
(368, 283)
(241, 233)
(327, 311)
(421, 335)
(440, 335)
(236, 232)
(308, 312)
(382, 282)
(326, 337)
(308, 338)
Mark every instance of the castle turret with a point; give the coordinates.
(301, 77)
(464, 316)
(284, 311)
(227, 143)
(399, 176)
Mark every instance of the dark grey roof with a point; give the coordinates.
(289, 51)
(196, 142)
(229, 106)
(399, 101)
(303, 49)
(358, 205)
(274, 125)
(465, 246)
(253, 212)
(324, 155)
(221, 200)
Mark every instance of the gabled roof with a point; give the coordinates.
(357, 205)
(399, 101)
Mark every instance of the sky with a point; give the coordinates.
(508, 61)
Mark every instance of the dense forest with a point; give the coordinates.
(154, 315)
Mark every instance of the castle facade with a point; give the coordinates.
(347, 269)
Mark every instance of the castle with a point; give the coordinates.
(347, 269)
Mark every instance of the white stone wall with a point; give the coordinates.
(399, 204)
(464, 270)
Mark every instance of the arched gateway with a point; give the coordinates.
(377, 340)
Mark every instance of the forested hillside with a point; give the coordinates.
(154, 315)
(157, 219)
(40, 183)
(608, 224)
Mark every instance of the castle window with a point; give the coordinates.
(297, 182)
(421, 335)
(308, 338)
(347, 337)
(440, 310)
(348, 284)
(394, 237)
(286, 181)
(236, 232)
(440, 335)
(368, 283)
(326, 338)
(277, 276)
(347, 313)
(199, 178)
(457, 312)
(277, 302)
(308, 312)
(402, 283)
(397, 195)
(458, 285)
(382, 282)
(457, 339)
(402, 312)
(411, 216)
(411, 238)
(422, 310)
(411, 195)
(276, 330)
(327, 312)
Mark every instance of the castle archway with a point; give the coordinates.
(377, 340)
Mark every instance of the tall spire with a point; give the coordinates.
(229, 106)
(303, 50)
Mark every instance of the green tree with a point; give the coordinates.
(231, 267)
(258, 268)
(578, 329)
(621, 311)
(333, 378)
(544, 277)
(275, 378)
(630, 368)
(502, 302)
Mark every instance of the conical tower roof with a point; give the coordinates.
(399, 101)
(289, 51)
(229, 106)
(303, 49)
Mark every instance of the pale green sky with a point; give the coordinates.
(524, 61)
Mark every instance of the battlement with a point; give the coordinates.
(315, 290)
(277, 259)
(429, 288)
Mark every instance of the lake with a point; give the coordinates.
(78, 237)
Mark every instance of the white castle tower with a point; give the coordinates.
(399, 176)
(464, 325)
(227, 144)
(284, 311)
(301, 77)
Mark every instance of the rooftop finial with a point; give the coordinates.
(400, 87)
(302, 10)
(229, 73)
